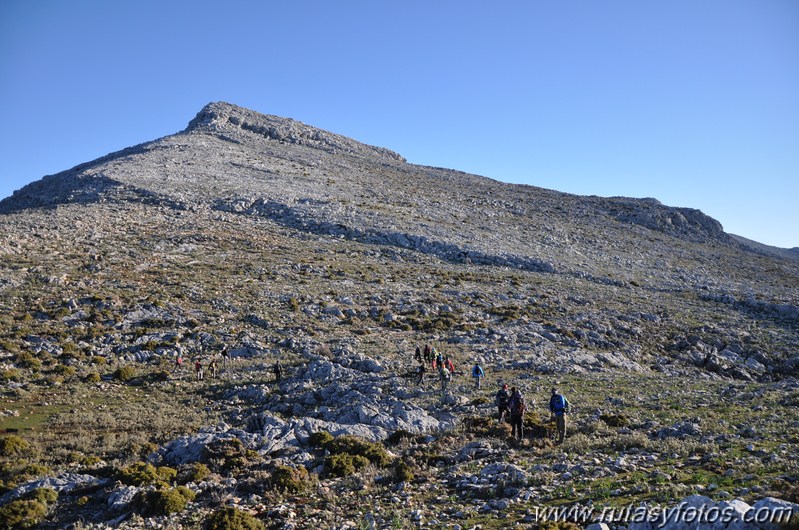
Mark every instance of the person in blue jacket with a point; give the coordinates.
(559, 407)
(478, 374)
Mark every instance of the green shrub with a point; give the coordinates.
(402, 472)
(44, 495)
(162, 501)
(93, 377)
(65, 371)
(23, 514)
(320, 439)
(10, 374)
(345, 464)
(26, 360)
(187, 493)
(196, 472)
(125, 373)
(229, 453)
(229, 518)
(615, 420)
(70, 350)
(373, 451)
(291, 480)
(397, 437)
(142, 473)
(13, 446)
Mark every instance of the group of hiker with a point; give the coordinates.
(510, 402)
(444, 365)
(511, 405)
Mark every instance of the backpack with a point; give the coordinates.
(558, 403)
(518, 405)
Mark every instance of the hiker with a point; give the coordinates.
(427, 355)
(559, 407)
(449, 364)
(179, 362)
(438, 359)
(198, 368)
(444, 376)
(501, 400)
(225, 355)
(420, 370)
(278, 371)
(212, 366)
(418, 354)
(478, 374)
(517, 408)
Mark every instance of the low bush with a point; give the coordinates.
(291, 480)
(195, 472)
(125, 373)
(320, 439)
(352, 445)
(162, 501)
(23, 514)
(229, 518)
(10, 374)
(345, 464)
(403, 472)
(14, 446)
(44, 495)
(27, 360)
(400, 436)
(142, 473)
(615, 420)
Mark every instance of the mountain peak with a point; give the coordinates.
(237, 123)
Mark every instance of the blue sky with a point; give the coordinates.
(695, 103)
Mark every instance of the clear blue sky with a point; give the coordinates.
(695, 103)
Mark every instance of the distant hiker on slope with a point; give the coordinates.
(198, 369)
(559, 407)
(501, 400)
(444, 376)
(418, 354)
(212, 366)
(225, 355)
(517, 408)
(278, 370)
(449, 364)
(421, 370)
(478, 374)
(428, 356)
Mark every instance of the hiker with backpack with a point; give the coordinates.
(198, 369)
(559, 407)
(478, 374)
(444, 376)
(420, 370)
(428, 356)
(517, 408)
(501, 401)
(418, 354)
(278, 370)
(449, 364)
(225, 355)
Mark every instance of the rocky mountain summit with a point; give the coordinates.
(272, 240)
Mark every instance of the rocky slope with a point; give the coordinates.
(282, 241)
